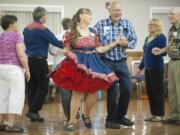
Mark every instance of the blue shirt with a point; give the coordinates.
(37, 38)
(108, 32)
(149, 60)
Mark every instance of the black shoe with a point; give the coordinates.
(35, 117)
(125, 121)
(112, 125)
(169, 121)
(87, 121)
(177, 122)
(2, 127)
(14, 129)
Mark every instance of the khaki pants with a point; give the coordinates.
(174, 89)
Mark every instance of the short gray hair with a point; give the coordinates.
(38, 13)
(115, 3)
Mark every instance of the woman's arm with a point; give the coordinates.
(20, 48)
(105, 48)
(161, 49)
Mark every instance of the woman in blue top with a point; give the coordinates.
(154, 69)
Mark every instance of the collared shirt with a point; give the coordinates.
(174, 42)
(37, 39)
(108, 32)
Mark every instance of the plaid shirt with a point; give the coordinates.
(108, 32)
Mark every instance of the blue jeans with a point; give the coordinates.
(117, 105)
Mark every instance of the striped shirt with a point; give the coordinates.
(108, 32)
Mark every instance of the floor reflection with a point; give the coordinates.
(138, 110)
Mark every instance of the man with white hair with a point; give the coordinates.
(108, 30)
(173, 50)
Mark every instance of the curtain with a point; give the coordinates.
(25, 17)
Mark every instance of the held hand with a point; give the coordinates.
(118, 41)
(66, 51)
(122, 42)
(157, 51)
(27, 75)
(138, 72)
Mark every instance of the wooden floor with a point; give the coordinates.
(53, 124)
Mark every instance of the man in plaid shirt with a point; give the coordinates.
(108, 30)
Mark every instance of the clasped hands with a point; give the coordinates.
(121, 41)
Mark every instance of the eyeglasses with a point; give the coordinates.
(116, 10)
(151, 24)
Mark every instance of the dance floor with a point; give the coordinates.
(53, 125)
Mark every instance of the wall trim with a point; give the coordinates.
(30, 8)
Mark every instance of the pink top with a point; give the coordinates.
(8, 53)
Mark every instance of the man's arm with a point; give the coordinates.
(131, 38)
(50, 37)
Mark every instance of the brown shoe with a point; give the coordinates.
(14, 129)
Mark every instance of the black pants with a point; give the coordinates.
(117, 105)
(37, 87)
(155, 91)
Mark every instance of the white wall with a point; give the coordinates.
(137, 11)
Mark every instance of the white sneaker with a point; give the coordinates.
(157, 119)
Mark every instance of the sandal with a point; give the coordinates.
(87, 121)
(70, 127)
(78, 114)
